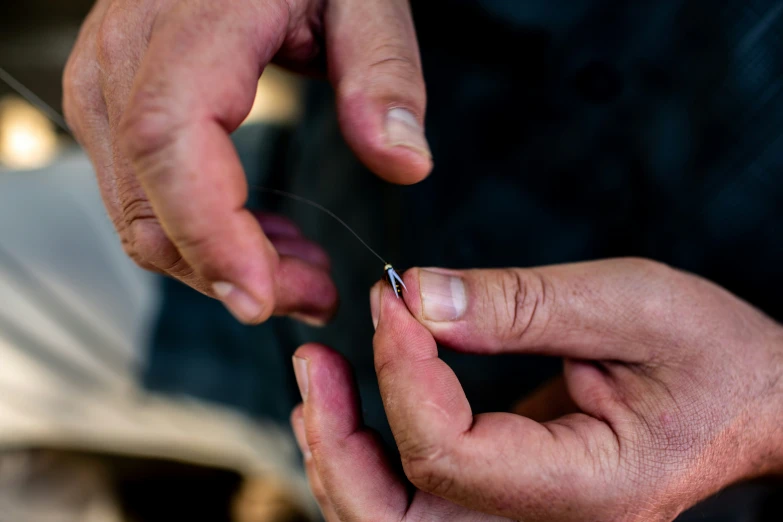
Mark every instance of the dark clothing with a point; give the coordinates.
(561, 132)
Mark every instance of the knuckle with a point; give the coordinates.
(81, 93)
(395, 59)
(424, 460)
(150, 243)
(128, 247)
(391, 70)
(70, 83)
(384, 368)
(70, 115)
(145, 129)
(526, 297)
(149, 240)
(111, 40)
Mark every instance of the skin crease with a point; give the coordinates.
(672, 390)
(141, 96)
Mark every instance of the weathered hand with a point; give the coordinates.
(153, 89)
(677, 383)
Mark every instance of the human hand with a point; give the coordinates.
(678, 386)
(154, 88)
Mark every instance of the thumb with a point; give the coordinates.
(595, 311)
(374, 65)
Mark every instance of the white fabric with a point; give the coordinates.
(74, 315)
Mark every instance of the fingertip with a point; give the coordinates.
(389, 304)
(326, 366)
(387, 138)
(399, 334)
(305, 291)
(393, 309)
(332, 404)
(243, 306)
(242, 271)
(310, 351)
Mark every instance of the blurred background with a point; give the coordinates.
(79, 439)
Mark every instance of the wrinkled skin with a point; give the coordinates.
(672, 390)
(671, 387)
(154, 88)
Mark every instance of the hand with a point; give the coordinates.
(153, 89)
(678, 387)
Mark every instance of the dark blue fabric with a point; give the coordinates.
(561, 131)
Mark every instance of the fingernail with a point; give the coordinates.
(442, 296)
(241, 305)
(301, 438)
(404, 130)
(375, 304)
(309, 320)
(300, 371)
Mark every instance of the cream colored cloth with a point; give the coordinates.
(74, 312)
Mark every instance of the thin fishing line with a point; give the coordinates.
(322, 209)
(55, 116)
(31, 97)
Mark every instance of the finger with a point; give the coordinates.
(503, 464)
(288, 240)
(374, 64)
(316, 486)
(353, 470)
(583, 311)
(275, 225)
(303, 249)
(176, 129)
(305, 291)
(349, 472)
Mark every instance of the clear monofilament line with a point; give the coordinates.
(31, 97)
(58, 120)
(322, 209)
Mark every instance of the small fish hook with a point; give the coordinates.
(394, 280)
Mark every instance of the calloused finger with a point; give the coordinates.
(449, 452)
(275, 225)
(355, 477)
(305, 291)
(303, 249)
(176, 132)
